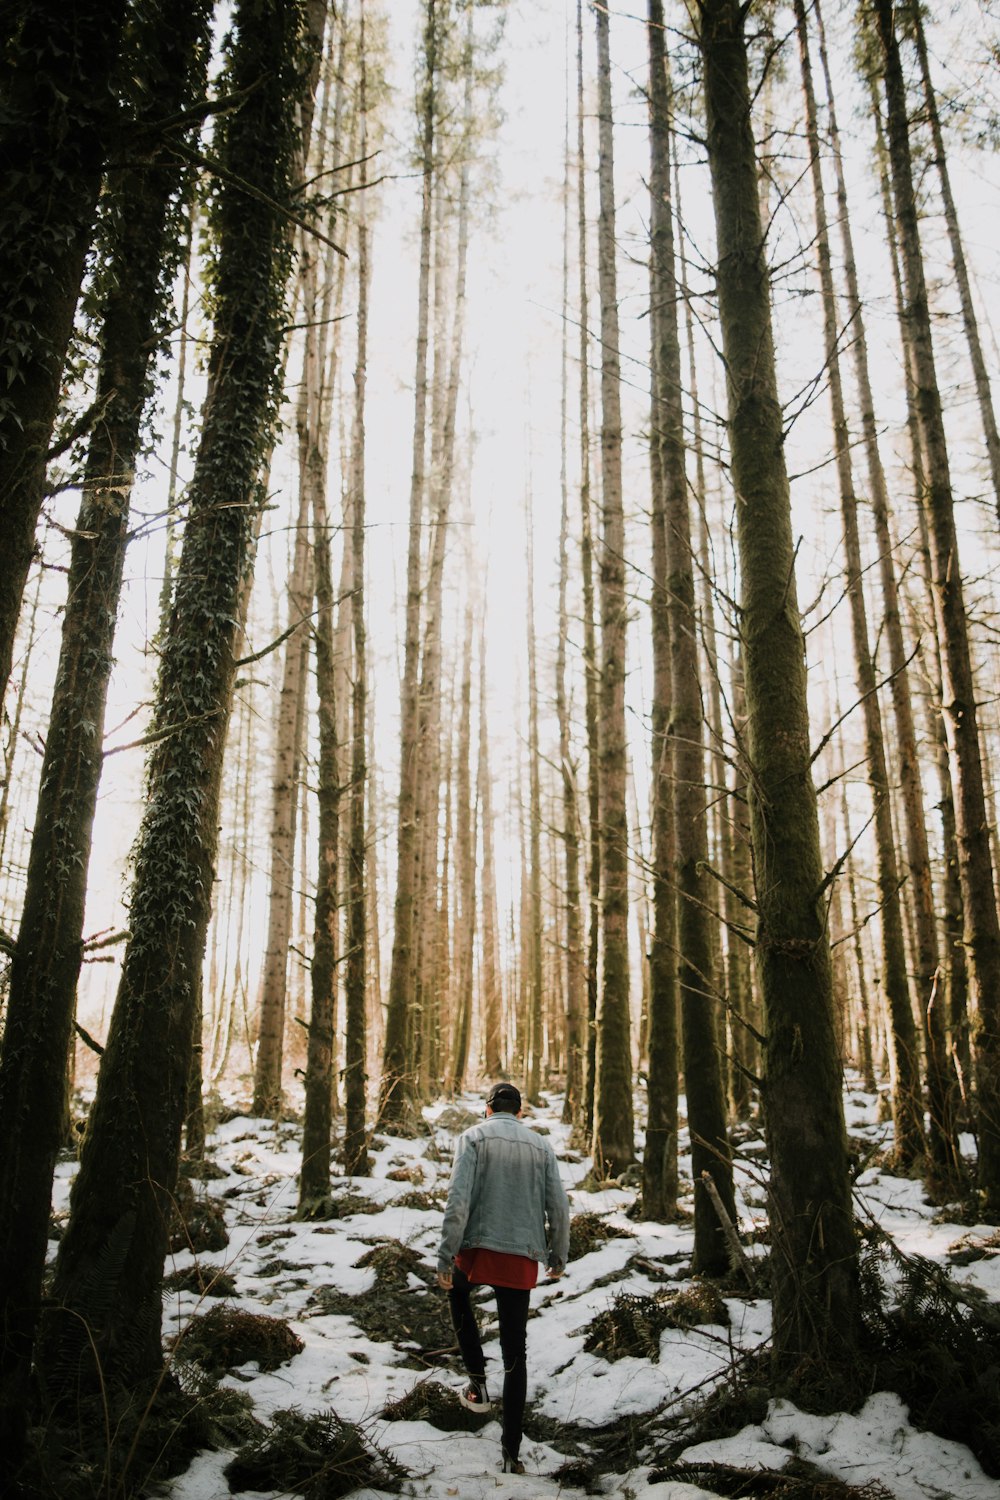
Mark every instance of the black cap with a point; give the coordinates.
(504, 1098)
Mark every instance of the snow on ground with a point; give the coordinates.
(281, 1268)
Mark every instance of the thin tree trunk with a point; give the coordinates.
(591, 665)
(982, 930)
(284, 805)
(355, 1040)
(907, 1101)
(533, 1074)
(943, 1145)
(492, 998)
(465, 926)
(970, 323)
(397, 1083)
(614, 1135)
(576, 979)
(813, 1253)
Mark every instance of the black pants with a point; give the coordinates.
(512, 1309)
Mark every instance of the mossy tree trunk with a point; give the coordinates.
(140, 238)
(813, 1248)
(614, 1135)
(60, 110)
(491, 996)
(105, 1319)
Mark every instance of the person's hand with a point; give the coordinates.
(444, 1280)
(554, 1272)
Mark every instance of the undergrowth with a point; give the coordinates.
(318, 1456)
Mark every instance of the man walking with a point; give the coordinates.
(506, 1211)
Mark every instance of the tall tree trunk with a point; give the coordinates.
(576, 978)
(492, 998)
(706, 1104)
(60, 113)
(142, 236)
(659, 1164)
(907, 1101)
(943, 1145)
(591, 665)
(396, 1082)
(533, 1069)
(284, 805)
(813, 1255)
(465, 925)
(614, 1135)
(982, 930)
(355, 1040)
(122, 1196)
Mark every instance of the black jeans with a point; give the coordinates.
(512, 1309)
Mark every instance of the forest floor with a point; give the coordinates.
(615, 1376)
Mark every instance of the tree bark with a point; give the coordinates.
(813, 1255)
(396, 1082)
(591, 665)
(907, 1100)
(614, 1135)
(982, 929)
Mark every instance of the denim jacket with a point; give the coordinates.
(505, 1187)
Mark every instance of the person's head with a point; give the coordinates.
(503, 1099)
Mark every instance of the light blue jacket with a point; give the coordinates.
(505, 1189)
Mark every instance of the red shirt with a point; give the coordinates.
(497, 1268)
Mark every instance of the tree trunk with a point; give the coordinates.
(60, 112)
(614, 1136)
(970, 323)
(492, 998)
(123, 1194)
(982, 930)
(576, 979)
(396, 1082)
(943, 1145)
(591, 665)
(142, 239)
(533, 1069)
(907, 1101)
(465, 925)
(813, 1255)
(284, 805)
(355, 1039)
